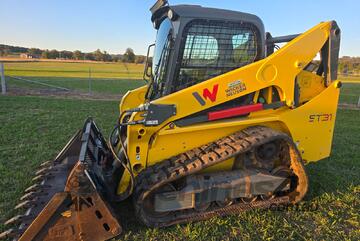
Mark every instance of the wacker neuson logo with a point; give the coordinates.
(207, 95)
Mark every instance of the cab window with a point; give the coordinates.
(211, 48)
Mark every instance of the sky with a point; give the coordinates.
(114, 25)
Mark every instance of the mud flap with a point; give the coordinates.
(68, 201)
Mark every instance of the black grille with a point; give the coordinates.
(211, 48)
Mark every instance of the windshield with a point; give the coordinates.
(161, 51)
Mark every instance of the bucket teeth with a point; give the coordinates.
(32, 188)
(18, 219)
(25, 204)
(7, 234)
(14, 220)
(45, 164)
(39, 178)
(42, 171)
(37, 187)
(28, 196)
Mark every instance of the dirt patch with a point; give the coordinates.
(72, 94)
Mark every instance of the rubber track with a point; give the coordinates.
(195, 160)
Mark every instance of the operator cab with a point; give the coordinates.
(194, 44)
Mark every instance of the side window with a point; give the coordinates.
(211, 48)
(240, 39)
(200, 50)
(243, 45)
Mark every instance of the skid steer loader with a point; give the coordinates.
(224, 125)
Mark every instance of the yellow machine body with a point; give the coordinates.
(310, 125)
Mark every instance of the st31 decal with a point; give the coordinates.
(207, 94)
(320, 118)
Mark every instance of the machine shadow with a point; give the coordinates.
(125, 214)
(323, 181)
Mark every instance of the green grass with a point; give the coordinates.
(75, 70)
(349, 79)
(34, 129)
(112, 78)
(109, 86)
(350, 93)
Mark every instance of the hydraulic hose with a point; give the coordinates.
(127, 164)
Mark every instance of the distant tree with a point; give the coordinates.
(349, 65)
(12, 49)
(89, 56)
(45, 54)
(129, 56)
(99, 56)
(6, 51)
(140, 59)
(54, 54)
(35, 51)
(1, 52)
(66, 54)
(115, 58)
(107, 57)
(345, 69)
(78, 55)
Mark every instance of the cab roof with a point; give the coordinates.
(199, 12)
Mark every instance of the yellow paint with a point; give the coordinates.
(268, 94)
(124, 182)
(267, 73)
(310, 85)
(133, 98)
(278, 71)
(256, 97)
(314, 138)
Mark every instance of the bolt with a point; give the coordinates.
(299, 64)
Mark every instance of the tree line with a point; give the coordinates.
(128, 57)
(349, 65)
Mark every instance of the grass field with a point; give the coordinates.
(105, 86)
(349, 79)
(34, 129)
(111, 78)
(350, 93)
(108, 78)
(75, 70)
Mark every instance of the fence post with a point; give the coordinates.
(3, 83)
(358, 105)
(89, 81)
